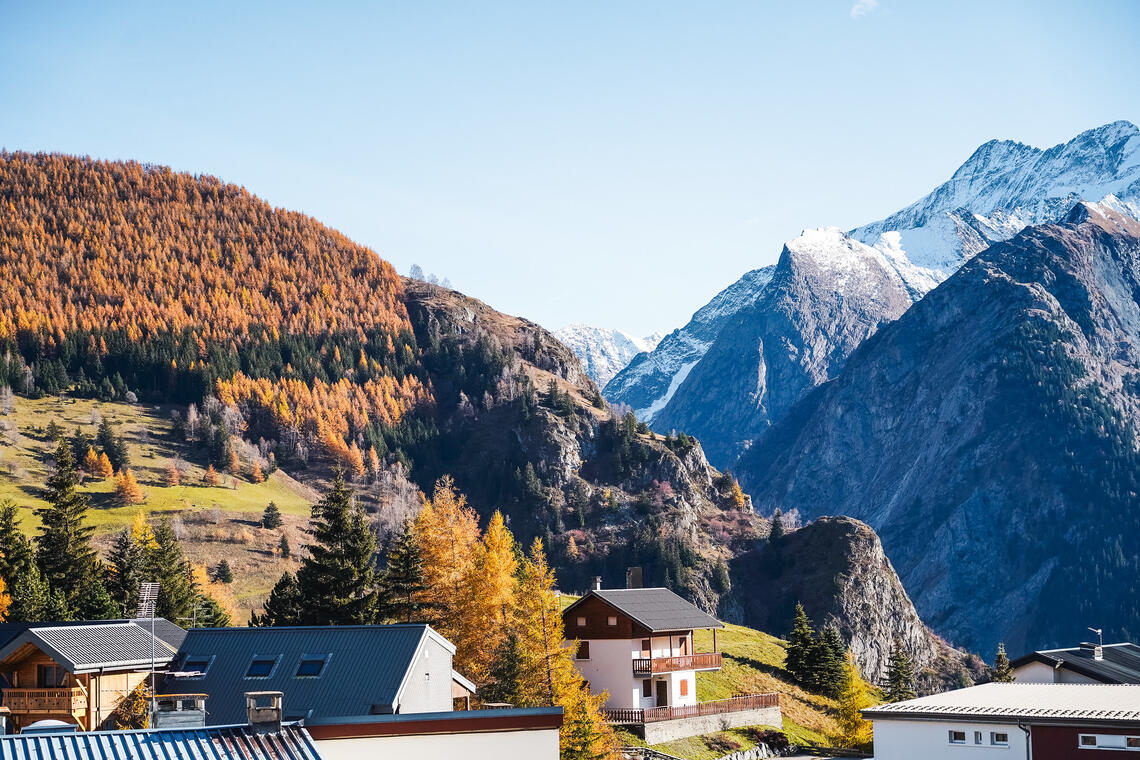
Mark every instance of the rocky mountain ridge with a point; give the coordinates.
(989, 436)
(727, 396)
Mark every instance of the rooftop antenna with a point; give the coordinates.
(1099, 635)
(148, 599)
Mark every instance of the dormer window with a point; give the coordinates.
(261, 666)
(312, 665)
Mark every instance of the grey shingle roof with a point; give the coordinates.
(292, 742)
(658, 609)
(1023, 701)
(367, 666)
(83, 648)
(163, 628)
(1121, 662)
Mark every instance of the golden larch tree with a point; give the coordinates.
(91, 461)
(448, 531)
(490, 595)
(127, 489)
(210, 477)
(104, 470)
(173, 476)
(855, 695)
(255, 474)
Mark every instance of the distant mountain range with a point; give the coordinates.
(764, 342)
(990, 436)
(604, 352)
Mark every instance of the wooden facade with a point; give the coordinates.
(41, 688)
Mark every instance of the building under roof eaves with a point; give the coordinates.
(244, 742)
(323, 671)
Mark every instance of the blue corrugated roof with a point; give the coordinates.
(243, 742)
(366, 666)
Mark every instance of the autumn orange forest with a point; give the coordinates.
(182, 285)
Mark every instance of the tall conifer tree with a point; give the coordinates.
(284, 605)
(1003, 671)
(166, 564)
(16, 556)
(402, 584)
(898, 684)
(801, 642)
(63, 548)
(337, 579)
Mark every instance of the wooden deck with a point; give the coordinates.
(46, 701)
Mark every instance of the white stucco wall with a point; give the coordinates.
(498, 745)
(930, 740)
(610, 668)
(1039, 672)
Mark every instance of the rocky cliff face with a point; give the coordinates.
(989, 436)
(837, 569)
(827, 294)
(522, 428)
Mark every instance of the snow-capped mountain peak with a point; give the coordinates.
(604, 352)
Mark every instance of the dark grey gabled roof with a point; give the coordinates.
(367, 665)
(163, 628)
(1120, 664)
(291, 742)
(657, 609)
(94, 646)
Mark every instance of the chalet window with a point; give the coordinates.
(312, 665)
(581, 622)
(1087, 740)
(50, 676)
(646, 648)
(1109, 741)
(684, 687)
(999, 739)
(647, 688)
(1132, 742)
(261, 667)
(611, 620)
(583, 651)
(977, 737)
(957, 737)
(196, 664)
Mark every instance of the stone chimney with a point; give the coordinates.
(633, 577)
(264, 710)
(597, 583)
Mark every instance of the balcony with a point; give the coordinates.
(641, 716)
(61, 701)
(646, 666)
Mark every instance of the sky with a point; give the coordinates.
(611, 163)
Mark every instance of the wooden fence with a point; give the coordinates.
(638, 715)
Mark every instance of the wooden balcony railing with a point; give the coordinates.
(628, 716)
(46, 701)
(645, 666)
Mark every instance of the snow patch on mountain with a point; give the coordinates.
(604, 352)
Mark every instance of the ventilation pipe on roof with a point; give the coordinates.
(1095, 650)
(597, 583)
(264, 710)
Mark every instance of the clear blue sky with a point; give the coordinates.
(614, 163)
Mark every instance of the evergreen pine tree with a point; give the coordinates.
(898, 684)
(777, 531)
(210, 614)
(283, 546)
(337, 579)
(284, 605)
(112, 445)
(503, 681)
(1003, 671)
(222, 572)
(94, 602)
(63, 547)
(271, 518)
(16, 556)
(31, 598)
(54, 432)
(127, 562)
(801, 642)
(166, 564)
(831, 657)
(79, 443)
(402, 584)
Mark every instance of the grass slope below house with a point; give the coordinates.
(214, 522)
